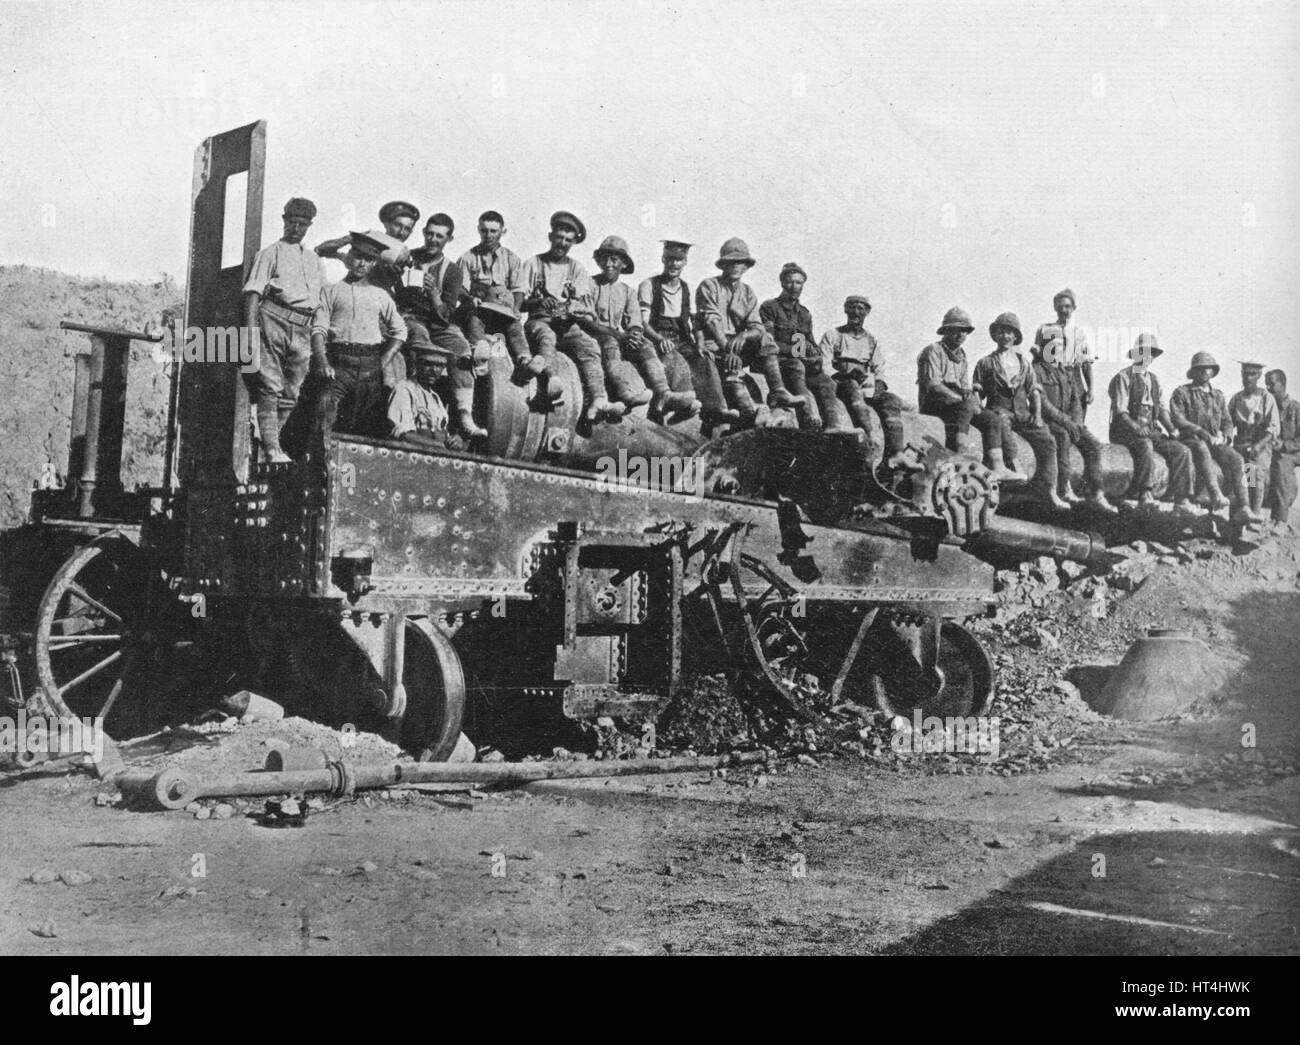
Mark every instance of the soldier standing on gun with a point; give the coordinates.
(1286, 451)
(1140, 422)
(733, 338)
(665, 302)
(427, 303)
(1006, 380)
(1072, 350)
(280, 298)
(1253, 413)
(355, 333)
(789, 324)
(944, 386)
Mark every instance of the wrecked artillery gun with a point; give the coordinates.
(401, 590)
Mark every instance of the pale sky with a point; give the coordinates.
(927, 154)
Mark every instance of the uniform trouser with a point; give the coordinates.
(421, 336)
(706, 377)
(547, 336)
(621, 374)
(478, 327)
(959, 417)
(355, 401)
(1256, 473)
(1041, 441)
(888, 407)
(1203, 454)
(1089, 446)
(802, 383)
(1282, 485)
(664, 369)
(1142, 448)
(284, 355)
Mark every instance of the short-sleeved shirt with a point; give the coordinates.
(1254, 416)
(490, 268)
(414, 408)
(842, 349)
(1076, 350)
(288, 273)
(565, 280)
(1200, 405)
(783, 319)
(616, 305)
(936, 366)
(673, 299)
(360, 313)
(735, 305)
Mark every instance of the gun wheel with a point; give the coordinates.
(909, 673)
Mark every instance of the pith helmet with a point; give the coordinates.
(956, 319)
(615, 245)
(735, 249)
(1146, 347)
(1201, 359)
(1009, 320)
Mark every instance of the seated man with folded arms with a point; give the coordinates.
(1060, 393)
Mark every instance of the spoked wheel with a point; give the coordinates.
(435, 693)
(93, 633)
(776, 632)
(909, 671)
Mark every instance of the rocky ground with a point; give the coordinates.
(1085, 835)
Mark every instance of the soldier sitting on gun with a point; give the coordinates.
(1060, 393)
(1201, 418)
(415, 410)
(944, 386)
(665, 302)
(851, 354)
(1006, 381)
(280, 298)
(354, 335)
(427, 303)
(733, 338)
(789, 324)
(1254, 417)
(559, 291)
(492, 292)
(615, 322)
(1140, 422)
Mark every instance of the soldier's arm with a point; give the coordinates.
(706, 304)
(332, 248)
(931, 383)
(394, 329)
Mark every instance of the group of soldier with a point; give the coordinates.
(650, 347)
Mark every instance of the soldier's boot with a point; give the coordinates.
(810, 417)
(709, 389)
(740, 401)
(268, 427)
(777, 393)
(1218, 501)
(1256, 510)
(624, 384)
(828, 403)
(997, 463)
(463, 399)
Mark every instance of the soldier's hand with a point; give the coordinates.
(735, 343)
(326, 371)
(732, 362)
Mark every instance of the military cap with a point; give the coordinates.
(1009, 321)
(1250, 365)
(563, 217)
(300, 206)
(956, 319)
(365, 244)
(1204, 359)
(399, 209)
(615, 245)
(430, 350)
(860, 299)
(791, 266)
(1066, 293)
(676, 246)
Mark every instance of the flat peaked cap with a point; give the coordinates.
(566, 219)
(399, 209)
